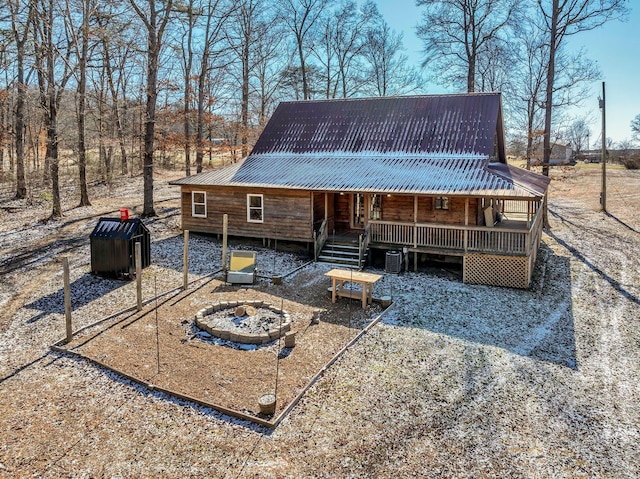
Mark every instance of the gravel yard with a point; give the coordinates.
(455, 381)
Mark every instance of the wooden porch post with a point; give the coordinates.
(415, 233)
(367, 210)
(415, 221)
(466, 223)
(326, 207)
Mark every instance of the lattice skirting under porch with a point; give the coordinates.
(494, 270)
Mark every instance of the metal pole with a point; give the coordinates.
(185, 261)
(603, 197)
(139, 275)
(67, 297)
(225, 223)
(155, 284)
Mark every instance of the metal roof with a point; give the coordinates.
(435, 144)
(375, 173)
(463, 123)
(115, 228)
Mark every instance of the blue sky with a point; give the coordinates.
(615, 47)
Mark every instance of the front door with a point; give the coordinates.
(357, 211)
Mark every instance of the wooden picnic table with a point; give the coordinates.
(366, 280)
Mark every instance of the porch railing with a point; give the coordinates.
(516, 241)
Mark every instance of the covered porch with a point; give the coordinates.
(439, 225)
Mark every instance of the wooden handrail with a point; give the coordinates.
(363, 245)
(451, 227)
(319, 239)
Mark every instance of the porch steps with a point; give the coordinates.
(341, 252)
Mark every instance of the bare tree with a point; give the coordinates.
(21, 19)
(389, 71)
(301, 16)
(268, 67)
(52, 58)
(324, 52)
(116, 52)
(155, 16)
(635, 127)
(243, 34)
(528, 85)
(563, 18)
(455, 33)
(191, 12)
(349, 43)
(217, 13)
(578, 134)
(80, 39)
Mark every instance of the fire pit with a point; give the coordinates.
(247, 322)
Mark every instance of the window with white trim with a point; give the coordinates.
(199, 204)
(255, 209)
(441, 203)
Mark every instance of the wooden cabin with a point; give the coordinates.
(425, 175)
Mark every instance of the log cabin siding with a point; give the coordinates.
(287, 214)
(318, 208)
(453, 216)
(397, 208)
(342, 212)
(331, 211)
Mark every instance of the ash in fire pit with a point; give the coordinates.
(249, 322)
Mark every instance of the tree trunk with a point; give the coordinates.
(116, 110)
(154, 41)
(200, 125)
(244, 122)
(530, 120)
(303, 72)
(149, 132)
(53, 156)
(187, 94)
(21, 183)
(551, 70)
(147, 163)
(82, 89)
(471, 75)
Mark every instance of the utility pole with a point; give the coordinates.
(603, 193)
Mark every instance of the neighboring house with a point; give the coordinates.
(426, 175)
(561, 154)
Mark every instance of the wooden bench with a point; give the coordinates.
(366, 280)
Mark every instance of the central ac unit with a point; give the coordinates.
(393, 262)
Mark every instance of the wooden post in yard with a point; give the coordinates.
(185, 261)
(139, 274)
(67, 297)
(225, 223)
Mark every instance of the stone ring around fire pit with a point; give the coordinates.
(247, 322)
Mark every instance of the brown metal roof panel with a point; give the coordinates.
(407, 174)
(366, 173)
(534, 182)
(426, 124)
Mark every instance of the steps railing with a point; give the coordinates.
(363, 245)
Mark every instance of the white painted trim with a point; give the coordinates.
(249, 208)
(194, 204)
